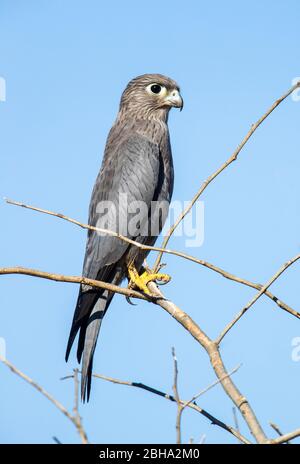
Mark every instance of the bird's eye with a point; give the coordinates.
(155, 88)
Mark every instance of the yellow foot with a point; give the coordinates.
(141, 281)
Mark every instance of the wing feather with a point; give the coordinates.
(132, 170)
(133, 176)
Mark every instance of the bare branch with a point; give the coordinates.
(283, 268)
(248, 283)
(177, 399)
(179, 254)
(210, 347)
(230, 160)
(47, 395)
(171, 398)
(277, 429)
(76, 415)
(285, 438)
(188, 323)
(74, 280)
(212, 350)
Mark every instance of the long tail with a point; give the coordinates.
(90, 333)
(88, 316)
(91, 307)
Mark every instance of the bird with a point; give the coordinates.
(137, 168)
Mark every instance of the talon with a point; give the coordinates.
(130, 286)
(160, 284)
(129, 301)
(141, 281)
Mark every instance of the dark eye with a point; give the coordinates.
(155, 88)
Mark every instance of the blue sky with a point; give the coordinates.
(65, 66)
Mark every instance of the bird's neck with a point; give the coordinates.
(159, 115)
(154, 128)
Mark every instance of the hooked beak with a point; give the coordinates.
(174, 99)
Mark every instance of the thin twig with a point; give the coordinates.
(47, 395)
(177, 399)
(206, 389)
(57, 441)
(236, 422)
(202, 439)
(283, 268)
(76, 415)
(277, 429)
(76, 396)
(230, 160)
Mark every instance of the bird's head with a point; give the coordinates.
(151, 95)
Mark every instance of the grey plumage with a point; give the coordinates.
(137, 163)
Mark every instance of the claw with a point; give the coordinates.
(129, 301)
(161, 283)
(130, 286)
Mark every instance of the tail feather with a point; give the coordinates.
(91, 306)
(89, 335)
(85, 302)
(87, 319)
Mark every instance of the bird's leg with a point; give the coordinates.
(141, 281)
